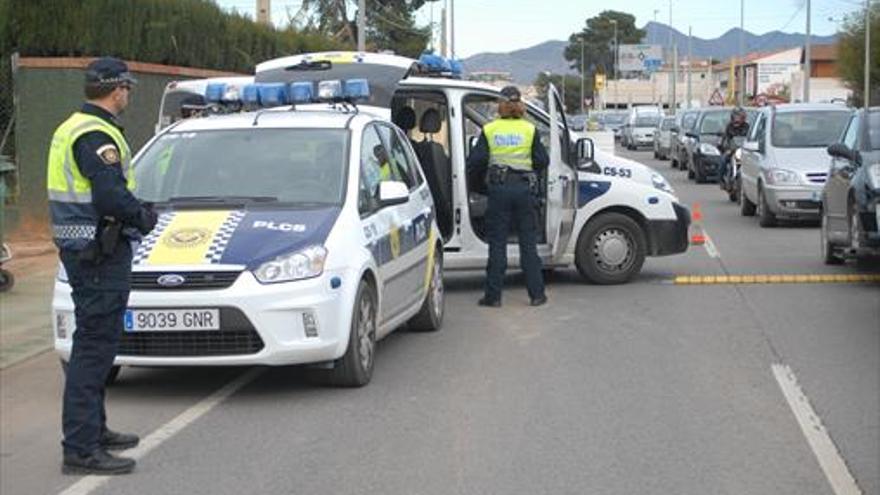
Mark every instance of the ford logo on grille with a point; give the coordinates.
(171, 280)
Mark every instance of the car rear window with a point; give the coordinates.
(714, 122)
(808, 129)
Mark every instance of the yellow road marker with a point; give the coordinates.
(830, 278)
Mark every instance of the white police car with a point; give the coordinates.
(604, 214)
(286, 236)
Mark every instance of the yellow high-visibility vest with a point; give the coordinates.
(510, 143)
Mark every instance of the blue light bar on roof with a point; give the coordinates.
(302, 92)
(273, 94)
(250, 95)
(357, 89)
(214, 92)
(456, 67)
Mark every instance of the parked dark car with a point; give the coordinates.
(704, 158)
(850, 216)
(684, 123)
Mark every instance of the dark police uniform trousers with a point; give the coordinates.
(512, 203)
(100, 295)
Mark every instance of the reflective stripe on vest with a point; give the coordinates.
(510, 143)
(70, 193)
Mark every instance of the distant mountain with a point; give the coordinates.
(727, 45)
(524, 65)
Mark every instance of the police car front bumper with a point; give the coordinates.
(668, 237)
(291, 323)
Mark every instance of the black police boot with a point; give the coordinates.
(98, 462)
(112, 440)
(489, 303)
(538, 301)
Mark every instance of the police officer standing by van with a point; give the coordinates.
(95, 219)
(509, 156)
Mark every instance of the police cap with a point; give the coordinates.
(109, 71)
(511, 93)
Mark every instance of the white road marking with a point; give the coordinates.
(710, 247)
(833, 465)
(90, 483)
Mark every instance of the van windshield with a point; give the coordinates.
(283, 165)
(808, 129)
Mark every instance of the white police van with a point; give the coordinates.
(280, 239)
(602, 213)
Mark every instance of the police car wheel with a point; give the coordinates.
(611, 249)
(355, 367)
(430, 316)
(111, 377)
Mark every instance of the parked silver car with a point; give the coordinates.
(663, 138)
(684, 123)
(785, 163)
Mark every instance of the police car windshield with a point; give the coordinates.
(294, 166)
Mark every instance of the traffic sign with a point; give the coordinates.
(716, 98)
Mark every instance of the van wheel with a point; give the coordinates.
(746, 207)
(611, 249)
(766, 218)
(111, 377)
(355, 367)
(430, 317)
(829, 253)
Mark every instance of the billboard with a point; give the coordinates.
(640, 58)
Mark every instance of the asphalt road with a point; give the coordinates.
(644, 388)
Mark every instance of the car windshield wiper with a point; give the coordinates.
(223, 199)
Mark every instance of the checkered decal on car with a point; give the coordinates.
(221, 238)
(143, 251)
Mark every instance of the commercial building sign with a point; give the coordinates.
(640, 58)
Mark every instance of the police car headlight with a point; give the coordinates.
(708, 149)
(661, 183)
(307, 263)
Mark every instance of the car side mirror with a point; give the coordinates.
(392, 193)
(752, 146)
(585, 151)
(691, 135)
(840, 150)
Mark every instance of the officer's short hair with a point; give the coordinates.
(98, 91)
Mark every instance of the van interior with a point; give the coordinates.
(424, 116)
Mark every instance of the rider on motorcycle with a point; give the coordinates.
(738, 127)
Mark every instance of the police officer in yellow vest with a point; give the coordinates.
(95, 219)
(510, 156)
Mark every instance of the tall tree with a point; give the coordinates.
(597, 37)
(571, 91)
(391, 24)
(851, 52)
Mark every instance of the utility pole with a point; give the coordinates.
(689, 63)
(616, 63)
(674, 100)
(742, 52)
(443, 32)
(808, 56)
(362, 25)
(673, 74)
(867, 97)
(451, 28)
(264, 12)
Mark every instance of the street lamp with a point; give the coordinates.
(867, 97)
(583, 73)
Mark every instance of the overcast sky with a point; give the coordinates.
(506, 25)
